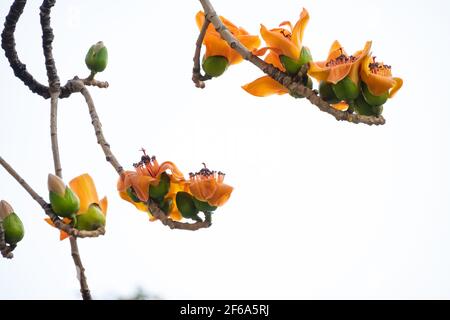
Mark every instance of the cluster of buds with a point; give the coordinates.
(165, 185)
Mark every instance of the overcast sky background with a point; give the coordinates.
(321, 209)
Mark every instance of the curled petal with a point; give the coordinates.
(277, 40)
(299, 28)
(167, 165)
(104, 205)
(335, 51)
(221, 195)
(265, 86)
(397, 86)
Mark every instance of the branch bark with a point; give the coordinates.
(197, 77)
(165, 220)
(287, 81)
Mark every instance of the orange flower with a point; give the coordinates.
(134, 186)
(84, 188)
(208, 186)
(216, 46)
(339, 65)
(378, 77)
(287, 53)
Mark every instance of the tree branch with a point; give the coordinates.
(295, 87)
(197, 77)
(78, 85)
(161, 216)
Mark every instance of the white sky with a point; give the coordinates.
(321, 209)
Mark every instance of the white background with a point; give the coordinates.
(321, 209)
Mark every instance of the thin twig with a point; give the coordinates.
(54, 84)
(287, 81)
(160, 215)
(77, 85)
(197, 77)
(48, 209)
(54, 133)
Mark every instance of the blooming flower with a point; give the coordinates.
(150, 179)
(378, 77)
(217, 47)
(287, 53)
(339, 75)
(92, 211)
(208, 186)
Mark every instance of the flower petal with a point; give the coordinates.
(335, 51)
(299, 29)
(215, 46)
(361, 55)
(104, 205)
(397, 86)
(139, 205)
(341, 106)
(167, 165)
(221, 195)
(265, 86)
(84, 187)
(203, 189)
(277, 40)
(376, 83)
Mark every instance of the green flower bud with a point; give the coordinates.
(203, 205)
(293, 66)
(305, 56)
(12, 225)
(186, 205)
(64, 201)
(326, 92)
(133, 195)
(92, 219)
(215, 66)
(159, 191)
(97, 57)
(363, 108)
(166, 205)
(346, 89)
(372, 99)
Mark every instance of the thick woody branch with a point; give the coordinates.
(47, 39)
(197, 77)
(5, 249)
(294, 87)
(48, 209)
(161, 216)
(9, 45)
